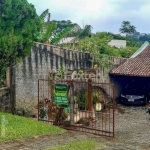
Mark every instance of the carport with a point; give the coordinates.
(136, 68)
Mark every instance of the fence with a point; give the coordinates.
(77, 105)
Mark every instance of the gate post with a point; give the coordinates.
(89, 95)
(71, 103)
(51, 81)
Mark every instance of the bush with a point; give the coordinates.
(19, 25)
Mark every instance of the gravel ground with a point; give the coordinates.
(132, 129)
(132, 132)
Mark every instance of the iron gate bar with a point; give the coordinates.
(38, 98)
(77, 81)
(104, 125)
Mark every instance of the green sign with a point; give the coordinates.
(60, 94)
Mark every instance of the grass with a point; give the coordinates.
(80, 145)
(16, 127)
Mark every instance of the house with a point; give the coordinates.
(137, 65)
(136, 68)
(118, 43)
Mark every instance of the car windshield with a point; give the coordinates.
(133, 92)
(135, 88)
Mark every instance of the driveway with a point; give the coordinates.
(132, 132)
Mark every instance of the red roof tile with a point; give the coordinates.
(138, 66)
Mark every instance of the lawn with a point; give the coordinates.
(16, 127)
(80, 145)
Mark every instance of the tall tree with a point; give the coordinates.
(127, 28)
(19, 24)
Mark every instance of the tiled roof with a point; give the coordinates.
(138, 66)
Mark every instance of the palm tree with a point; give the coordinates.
(65, 32)
(85, 32)
(82, 33)
(73, 30)
(47, 27)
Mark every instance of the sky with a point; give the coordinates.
(102, 15)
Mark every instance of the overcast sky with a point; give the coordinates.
(103, 15)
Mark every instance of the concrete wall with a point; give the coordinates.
(22, 80)
(4, 99)
(118, 43)
(42, 60)
(7, 93)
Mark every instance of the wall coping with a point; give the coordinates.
(76, 50)
(60, 47)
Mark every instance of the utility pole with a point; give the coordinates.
(83, 23)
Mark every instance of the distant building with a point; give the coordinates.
(66, 40)
(118, 43)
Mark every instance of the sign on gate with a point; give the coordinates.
(60, 94)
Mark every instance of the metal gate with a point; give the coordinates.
(79, 105)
